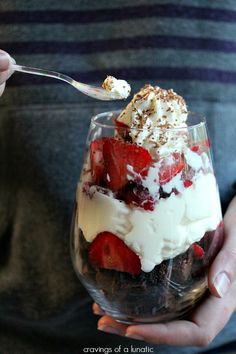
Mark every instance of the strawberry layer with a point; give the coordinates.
(167, 231)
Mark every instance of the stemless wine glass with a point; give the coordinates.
(147, 222)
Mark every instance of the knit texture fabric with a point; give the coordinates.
(187, 46)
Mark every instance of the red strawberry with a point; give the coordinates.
(121, 159)
(195, 148)
(201, 146)
(198, 250)
(110, 252)
(187, 183)
(136, 194)
(97, 161)
(170, 167)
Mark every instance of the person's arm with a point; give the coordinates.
(5, 69)
(210, 317)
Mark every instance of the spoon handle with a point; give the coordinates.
(42, 72)
(91, 91)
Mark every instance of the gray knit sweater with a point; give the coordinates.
(187, 46)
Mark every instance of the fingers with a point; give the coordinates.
(207, 321)
(4, 61)
(4, 66)
(223, 270)
(6, 69)
(97, 310)
(230, 217)
(109, 325)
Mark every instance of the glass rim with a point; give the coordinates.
(115, 113)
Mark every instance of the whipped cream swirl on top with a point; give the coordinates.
(153, 114)
(119, 88)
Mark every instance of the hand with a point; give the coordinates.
(5, 69)
(218, 307)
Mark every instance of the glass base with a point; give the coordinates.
(138, 314)
(170, 291)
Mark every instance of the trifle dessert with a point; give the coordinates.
(148, 220)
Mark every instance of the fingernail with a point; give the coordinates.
(99, 313)
(4, 61)
(222, 283)
(109, 329)
(97, 310)
(134, 336)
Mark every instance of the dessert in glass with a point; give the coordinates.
(147, 222)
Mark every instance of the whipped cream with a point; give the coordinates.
(119, 88)
(169, 230)
(153, 116)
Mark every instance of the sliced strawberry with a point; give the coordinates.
(110, 252)
(136, 194)
(201, 146)
(170, 167)
(122, 159)
(187, 183)
(97, 161)
(195, 148)
(198, 250)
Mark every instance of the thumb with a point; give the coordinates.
(6, 69)
(4, 61)
(223, 270)
(6, 66)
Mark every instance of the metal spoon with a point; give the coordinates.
(91, 91)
